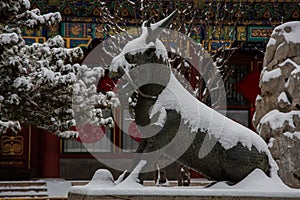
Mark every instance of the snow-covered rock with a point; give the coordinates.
(277, 116)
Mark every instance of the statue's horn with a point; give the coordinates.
(155, 29)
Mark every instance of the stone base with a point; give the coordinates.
(172, 197)
(179, 193)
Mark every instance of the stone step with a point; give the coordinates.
(23, 189)
(25, 194)
(36, 188)
(21, 183)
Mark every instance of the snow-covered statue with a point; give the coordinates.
(174, 122)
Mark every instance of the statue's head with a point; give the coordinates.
(143, 62)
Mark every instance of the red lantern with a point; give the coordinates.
(89, 133)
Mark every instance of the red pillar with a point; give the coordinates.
(49, 155)
(193, 79)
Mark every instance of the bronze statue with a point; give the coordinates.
(146, 70)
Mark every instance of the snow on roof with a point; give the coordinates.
(200, 117)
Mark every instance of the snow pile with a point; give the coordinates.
(104, 179)
(256, 181)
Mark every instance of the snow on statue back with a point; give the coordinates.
(174, 122)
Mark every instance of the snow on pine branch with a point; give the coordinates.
(33, 18)
(12, 7)
(12, 125)
(38, 81)
(9, 38)
(87, 103)
(16, 13)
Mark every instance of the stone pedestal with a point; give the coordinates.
(155, 197)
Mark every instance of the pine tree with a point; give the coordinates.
(42, 84)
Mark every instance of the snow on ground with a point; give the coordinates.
(51, 187)
(22, 193)
(255, 184)
(58, 187)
